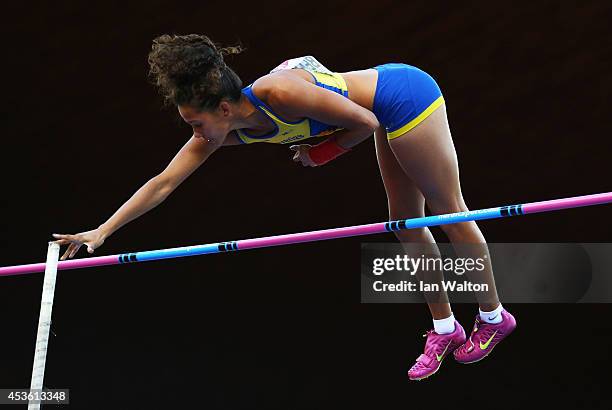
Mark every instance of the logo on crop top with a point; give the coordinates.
(291, 139)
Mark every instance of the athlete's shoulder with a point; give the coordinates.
(267, 86)
(283, 81)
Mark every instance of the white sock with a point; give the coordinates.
(444, 326)
(493, 316)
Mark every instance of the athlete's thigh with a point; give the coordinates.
(427, 155)
(404, 198)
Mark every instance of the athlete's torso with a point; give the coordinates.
(361, 84)
(358, 86)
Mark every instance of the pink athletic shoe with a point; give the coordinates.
(484, 337)
(437, 348)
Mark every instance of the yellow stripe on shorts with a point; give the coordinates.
(419, 119)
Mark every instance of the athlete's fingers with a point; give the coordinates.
(67, 253)
(294, 147)
(62, 236)
(75, 250)
(296, 156)
(62, 242)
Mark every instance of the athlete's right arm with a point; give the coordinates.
(151, 194)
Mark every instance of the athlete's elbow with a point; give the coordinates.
(369, 122)
(162, 185)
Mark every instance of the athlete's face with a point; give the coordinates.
(214, 125)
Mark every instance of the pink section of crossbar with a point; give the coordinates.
(71, 264)
(574, 202)
(312, 236)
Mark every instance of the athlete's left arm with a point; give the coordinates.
(300, 98)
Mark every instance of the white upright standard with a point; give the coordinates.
(44, 323)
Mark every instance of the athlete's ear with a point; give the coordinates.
(226, 108)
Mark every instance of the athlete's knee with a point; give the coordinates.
(450, 205)
(447, 205)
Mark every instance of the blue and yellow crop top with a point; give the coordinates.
(286, 132)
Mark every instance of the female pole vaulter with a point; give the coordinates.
(400, 104)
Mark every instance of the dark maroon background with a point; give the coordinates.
(528, 94)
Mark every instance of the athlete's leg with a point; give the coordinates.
(427, 155)
(406, 201)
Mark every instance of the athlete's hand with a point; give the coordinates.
(301, 154)
(92, 239)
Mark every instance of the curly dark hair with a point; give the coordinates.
(190, 70)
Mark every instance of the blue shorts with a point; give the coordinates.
(405, 96)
